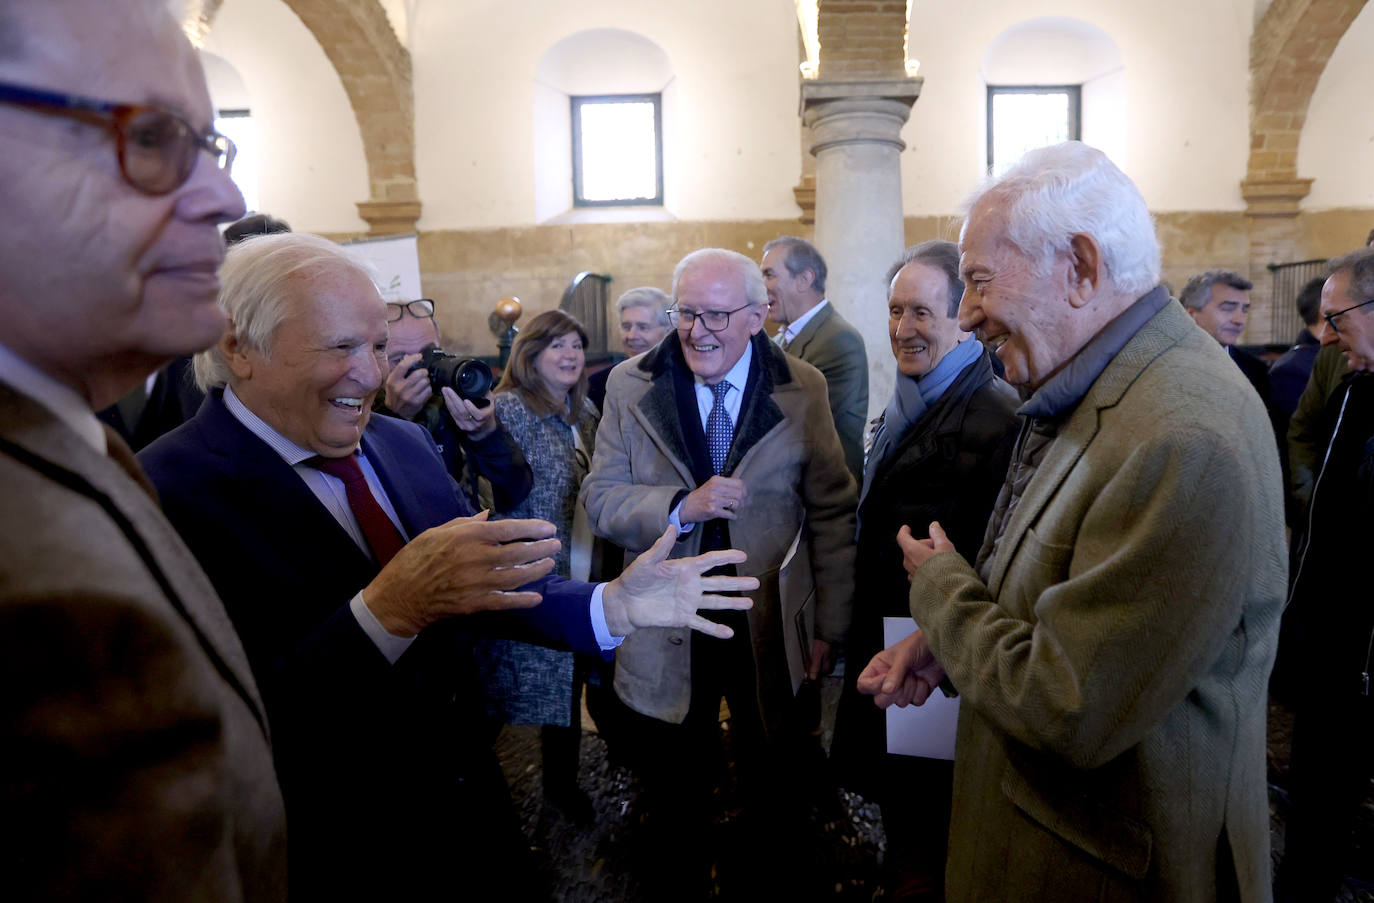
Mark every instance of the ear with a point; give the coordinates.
(1087, 269)
(756, 316)
(236, 354)
(805, 278)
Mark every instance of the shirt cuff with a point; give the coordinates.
(675, 518)
(604, 638)
(388, 644)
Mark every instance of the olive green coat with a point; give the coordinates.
(1114, 668)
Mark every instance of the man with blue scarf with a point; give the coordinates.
(938, 453)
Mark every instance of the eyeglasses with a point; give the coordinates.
(1331, 318)
(713, 320)
(420, 310)
(157, 148)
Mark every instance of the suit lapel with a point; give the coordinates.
(810, 330)
(296, 512)
(409, 506)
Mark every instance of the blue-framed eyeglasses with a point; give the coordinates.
(156, 147)
(1331, 318)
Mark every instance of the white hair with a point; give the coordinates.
(646, 296)
(255, 291)
(755, 292)
(1065, 189)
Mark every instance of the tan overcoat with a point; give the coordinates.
(789, 456)
(1114, 668)
(135, 748)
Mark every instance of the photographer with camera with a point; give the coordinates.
(449, 397)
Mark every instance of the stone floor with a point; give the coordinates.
(591, 861)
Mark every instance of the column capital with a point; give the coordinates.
(389, 217)
(861, 111)
(1274, 196)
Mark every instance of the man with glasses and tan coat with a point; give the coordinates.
(718, 431)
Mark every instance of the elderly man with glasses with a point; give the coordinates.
(1334, 615)
(719, 432)
(468, 434)
(137, 759)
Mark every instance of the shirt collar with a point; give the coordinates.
(796, 326)
(66, 404)
(737, 375)
(289, 451)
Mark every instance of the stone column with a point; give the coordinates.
(856, 132)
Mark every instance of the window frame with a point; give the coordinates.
(1075, 95)
(576, 102)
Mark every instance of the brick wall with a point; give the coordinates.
(862, 39)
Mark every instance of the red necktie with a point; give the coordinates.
(381, 533)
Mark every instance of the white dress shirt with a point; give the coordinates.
(796, 326)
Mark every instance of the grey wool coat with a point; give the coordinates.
(1114, 667)
(788, 454)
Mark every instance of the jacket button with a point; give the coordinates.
(675, 640)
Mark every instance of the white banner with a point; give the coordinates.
(396, 261)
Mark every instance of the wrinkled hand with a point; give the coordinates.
(465, 566)
(656, 591)
(915, 552)
(478, 423)
(903, 674)
(404, 392)
(717, 497)
(822, 660)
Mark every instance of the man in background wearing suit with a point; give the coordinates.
(137, 764)
(717, 431)
(813, 330)
(1112, 639)
(343, 551)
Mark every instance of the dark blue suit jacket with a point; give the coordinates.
(378, 761)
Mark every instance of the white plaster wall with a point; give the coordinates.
(1185, 75)
(313, 168)
(735, 82)
(1337, 144)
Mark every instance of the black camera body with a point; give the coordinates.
(469, 377)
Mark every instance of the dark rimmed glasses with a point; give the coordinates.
(713, 320)
(423, 309)
(1331, 318)
(156, 147)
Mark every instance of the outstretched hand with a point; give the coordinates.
(903, 674)
(658, 591)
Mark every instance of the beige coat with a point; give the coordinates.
(1114, 669)
(137, 763)
(789, 456)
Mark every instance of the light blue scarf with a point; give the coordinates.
(911, 398)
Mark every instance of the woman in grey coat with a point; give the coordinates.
(542, 402)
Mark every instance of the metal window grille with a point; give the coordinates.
(1288, 280)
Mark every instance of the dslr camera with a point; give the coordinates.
(470, 378)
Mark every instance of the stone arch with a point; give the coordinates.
(375, 70)
(1288, 52)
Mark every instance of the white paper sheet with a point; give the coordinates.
(919, 730)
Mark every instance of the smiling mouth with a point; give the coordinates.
(351, 404)
(703, 349)
(993, 343)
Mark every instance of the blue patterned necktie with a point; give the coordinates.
(719, 430)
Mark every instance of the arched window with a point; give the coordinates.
(1052, 80)
(603, 105)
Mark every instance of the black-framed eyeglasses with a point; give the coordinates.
(423, 309)
(1331, 318)
(156, 147)
(713, 320)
